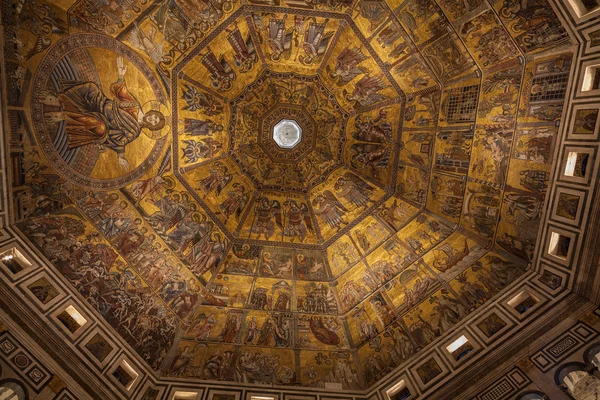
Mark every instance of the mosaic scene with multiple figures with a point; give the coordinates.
(300, 199)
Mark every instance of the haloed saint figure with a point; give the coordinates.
(92, 102)
(93, 118)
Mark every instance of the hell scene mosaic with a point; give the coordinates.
(284, 192)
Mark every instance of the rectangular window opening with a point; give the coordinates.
(559, 245)
(125, 374)
(523, 302)
(71, 319)
(460, 348)
(185, 396)
(590, 5)
(583, 7)
(14, 261)
(576, 164)
(262, 398)
(398, 392)
(591, 79)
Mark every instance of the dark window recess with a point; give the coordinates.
(581, 165)
(525, 305)
(13, 265)
(590, 5)
(562, 246)
(402, 395)
(150, 394)
(68, 321)
(462, 351)
(123, 376)
(596, 82)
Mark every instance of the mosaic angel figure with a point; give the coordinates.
(298, 222)
(347, 65)
(245, 52)
(330, 209)
(366, 90)
(265, 212)
(354, 190)
(279, 39)
(315, 43)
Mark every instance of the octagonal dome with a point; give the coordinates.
(308, 192)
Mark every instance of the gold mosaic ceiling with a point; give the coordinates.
(150, 178)
(336, 175)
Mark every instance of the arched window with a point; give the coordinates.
(532, 395)
(592, 355)
(12, 390)
(578, 383)
(565, 369)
